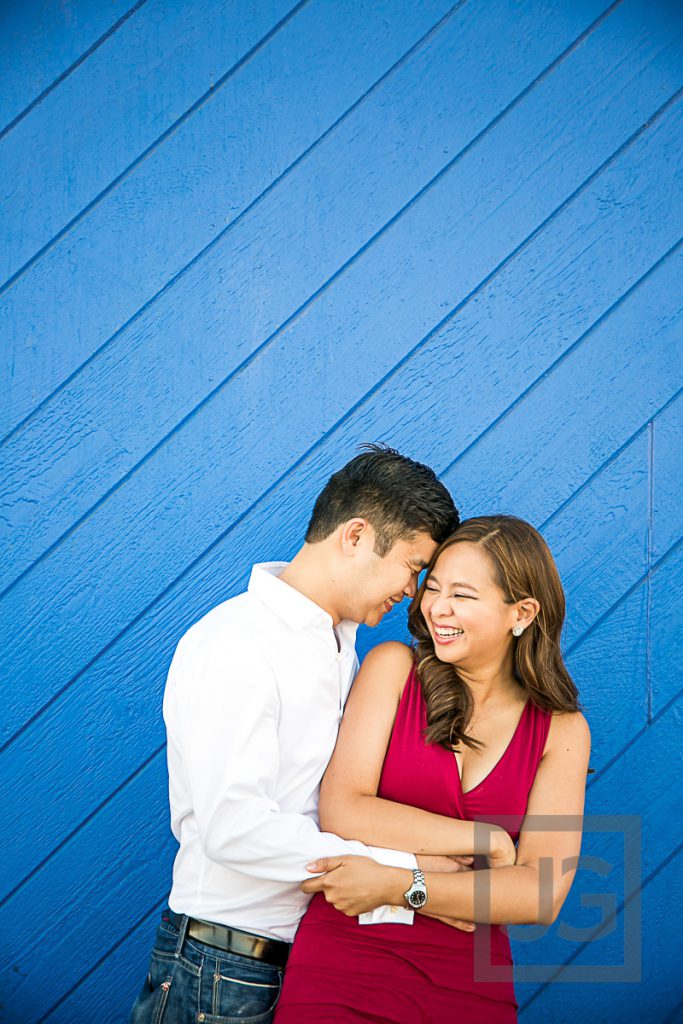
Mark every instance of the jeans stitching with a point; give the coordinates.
(241, 981)
(166, 958)
(161, 1008)
(216, 1018)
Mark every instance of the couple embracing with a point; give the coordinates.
(435, 782)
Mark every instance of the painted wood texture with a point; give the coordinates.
(238, 240)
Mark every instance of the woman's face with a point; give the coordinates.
(466, 614)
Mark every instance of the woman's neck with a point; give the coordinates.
(492, 686)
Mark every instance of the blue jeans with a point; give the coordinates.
(191, 983)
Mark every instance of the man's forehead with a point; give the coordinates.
(420, 548)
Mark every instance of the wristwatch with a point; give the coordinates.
(416, 896)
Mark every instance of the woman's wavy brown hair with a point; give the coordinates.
(523, 567)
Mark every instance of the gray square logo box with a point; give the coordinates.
(626, 901)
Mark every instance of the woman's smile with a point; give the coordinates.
(444, 634)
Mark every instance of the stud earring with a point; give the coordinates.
(517, 630)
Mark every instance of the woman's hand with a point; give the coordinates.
(356, 885)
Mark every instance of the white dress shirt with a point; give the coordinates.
(253, 702)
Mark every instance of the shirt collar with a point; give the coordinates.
(293, 607)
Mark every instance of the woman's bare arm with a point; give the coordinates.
(530, 892)
(349, 805)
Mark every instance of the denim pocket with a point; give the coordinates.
(241, 1000)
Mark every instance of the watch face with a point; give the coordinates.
(417, 899)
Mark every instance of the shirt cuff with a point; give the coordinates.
(393, 858)
(388, 914)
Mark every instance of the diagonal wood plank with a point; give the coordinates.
(42, 43)
(667, 471)
(615, 342)
(117, 866)
(124, 965)
(665, 663)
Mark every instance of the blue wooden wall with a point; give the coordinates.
(239, 238)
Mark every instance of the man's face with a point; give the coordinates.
(384, 581)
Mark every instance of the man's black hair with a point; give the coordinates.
(398, 497)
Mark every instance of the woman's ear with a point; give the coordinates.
(525, 612)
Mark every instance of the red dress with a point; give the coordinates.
(340, 971)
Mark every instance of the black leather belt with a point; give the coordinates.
(232, 940)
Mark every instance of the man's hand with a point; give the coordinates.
(356, 885)
(453, 922)
(429, 862)
(503, 852)
(436, 862)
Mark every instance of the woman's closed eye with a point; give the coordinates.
(434, 590)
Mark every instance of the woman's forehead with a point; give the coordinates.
(463, 562)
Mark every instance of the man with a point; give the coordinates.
(253, 702)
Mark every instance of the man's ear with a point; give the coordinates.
(353, 533)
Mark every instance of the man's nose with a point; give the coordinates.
(410, 589)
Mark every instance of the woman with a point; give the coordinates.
(480, 722)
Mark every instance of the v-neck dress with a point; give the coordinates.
(340, 971)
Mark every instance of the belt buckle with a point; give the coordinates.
(259, 946)
(253, 946)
